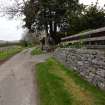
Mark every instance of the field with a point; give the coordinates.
(7, 52)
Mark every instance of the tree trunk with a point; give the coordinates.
(55, 27)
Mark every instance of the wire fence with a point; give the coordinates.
(6, 49)
(6, 52)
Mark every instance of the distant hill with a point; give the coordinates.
(2, 42)
(8, 43)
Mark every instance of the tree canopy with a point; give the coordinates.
(90, 17)
(48, 15)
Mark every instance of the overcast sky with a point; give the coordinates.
(11, 29)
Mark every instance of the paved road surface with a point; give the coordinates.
(17, 82)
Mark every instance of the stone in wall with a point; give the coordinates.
(88, 63)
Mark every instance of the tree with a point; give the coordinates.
(95, 17)
(49, 16)
(89, 17)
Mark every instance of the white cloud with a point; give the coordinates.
(88, 2)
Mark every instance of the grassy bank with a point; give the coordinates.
(37, 51)
(9, 53)
(60, 86)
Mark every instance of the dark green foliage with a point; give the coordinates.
(30, 10)
(90, 17)
(48, 15)
(70, 17)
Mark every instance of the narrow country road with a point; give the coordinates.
(17, 79)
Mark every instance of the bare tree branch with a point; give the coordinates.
(16, 9)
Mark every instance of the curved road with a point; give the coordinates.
(17, 79)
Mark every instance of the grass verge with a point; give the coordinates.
(61, 86)
(37, 51)
(4, 55)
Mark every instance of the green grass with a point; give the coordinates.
(37, 51)
(9, 53)
(61, 86)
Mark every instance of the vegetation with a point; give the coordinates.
(48, 15)
(45, 15)
(37, 51)
(29, 39)
(68, 44)
(90, 17)
(69, 17)
(5, 54)
(61, 86)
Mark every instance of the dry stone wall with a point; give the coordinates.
(88, 63)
